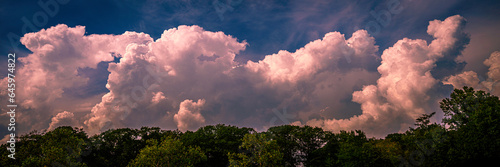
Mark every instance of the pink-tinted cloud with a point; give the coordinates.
(156, 81)
(64, 118)
(402, 92)
(494, 66)
(58, 53)
(189, 117)
(491, 84)
(467, 78)
(190, 63)
(186, 62)
(314, 57)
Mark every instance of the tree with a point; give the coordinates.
(473, 118)
(467, 105)
(424, 120)
(356, 150)
(297, 143)
(170, 153)
(388, 150)
(216, 141)
(115, 147)
(260, 151)
(61, 147)
(326, 155)
(425, 145)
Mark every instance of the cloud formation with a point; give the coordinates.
(189, 117)
(189, 78)
(190, 63)
(491, 84)
(402, 92)
(58, 53)
(64, 118)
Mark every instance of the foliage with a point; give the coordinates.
(60, 147)
(260, 150)
(474, 118)
(356, 150)
(297, 143)
(217, 141)
(468, 105)
(170, 153)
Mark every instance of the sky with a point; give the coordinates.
(340, 65)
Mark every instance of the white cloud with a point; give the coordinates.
(315, 57)
(190, 63)
(58, 53)
(402, 92)
(157, 97)
(467, 78)
(494, 66)
(491, 84)
(186, 62)
(64, 118)
(152, 82)
(189, 116)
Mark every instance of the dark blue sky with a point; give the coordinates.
(268, 26)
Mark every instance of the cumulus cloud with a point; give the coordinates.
(493, 81)
(157, 97)
(64, 118)
(190, 63)
(185, 63)
(58, 53)
(315, 57)
(467, 78)
(402, 92)
(491, 84)
(154, 80)
(189, 116)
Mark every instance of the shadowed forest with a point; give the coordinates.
(468, 135)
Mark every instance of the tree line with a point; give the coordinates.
(468, 136)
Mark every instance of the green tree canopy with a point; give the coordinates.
(170, 153)
(474, 120)
(217, 141)
(297, 143)
(259, 150)
(61, 147)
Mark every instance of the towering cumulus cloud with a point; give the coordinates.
(58, 53)
(189, 117)
(64, 118)
(153, 83)
(189, 78)
(491, 84)
(402, 92)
